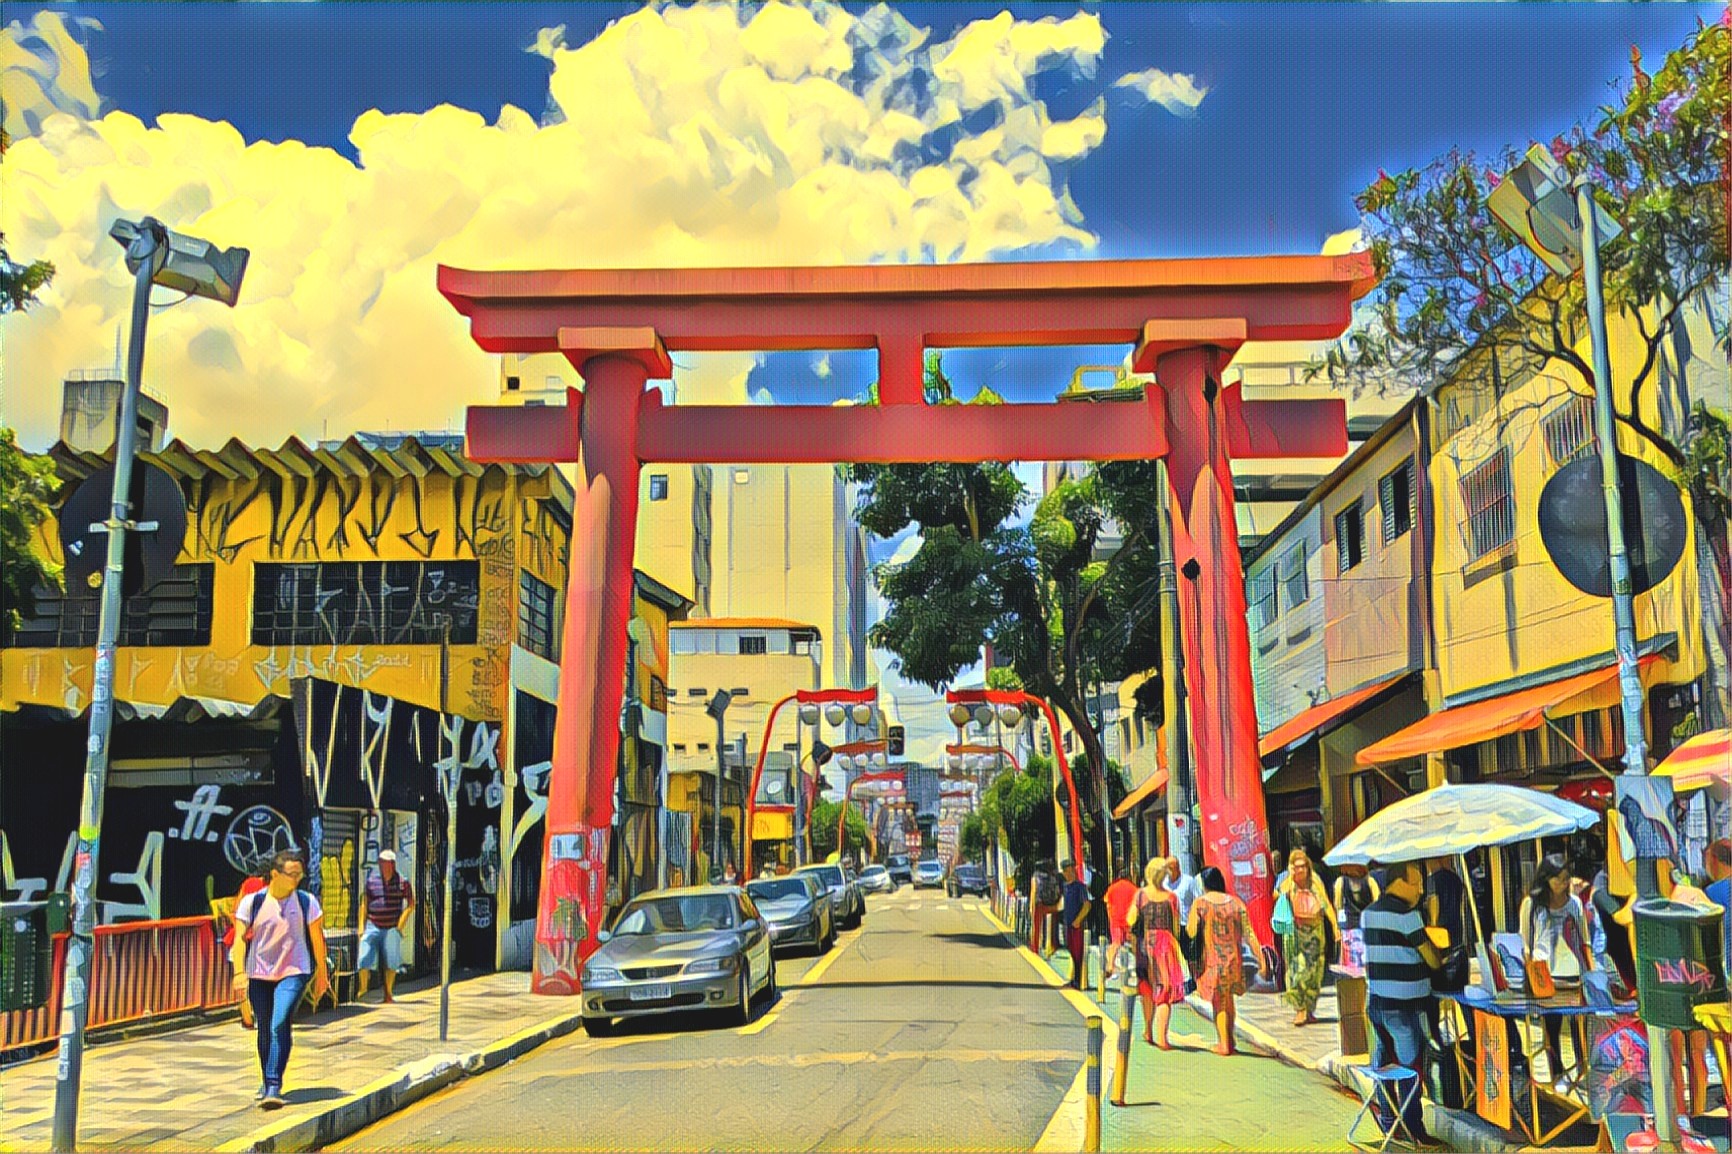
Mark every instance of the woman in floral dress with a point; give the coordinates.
(1154, 921)
(1306, 944)
(1225, 924)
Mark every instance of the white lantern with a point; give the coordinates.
(959, 714)
(883, 760)
(955, 762)
(835, 714)
(809, 713)
(861, 713)
(1009, 716)
(983, 715)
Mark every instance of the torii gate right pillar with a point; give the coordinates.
(1214, 624)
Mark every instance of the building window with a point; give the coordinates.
(1395, 494)
(537, 616)
(1349, 537)
(512, 384)
(1260, 592)
(697, 693)
(679, 747)
(658, 487)
(682, 641)
(1569, 431)
(741, 476)
(754, 646)
(1490, 502)
(365, 602)
(802, 648)
(1294, 582)
(175, 611)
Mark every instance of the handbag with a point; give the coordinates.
(1455, 973)
(1281, 920)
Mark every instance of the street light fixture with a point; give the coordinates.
(862, 714)
(154, 255)
(718, 709)
(835, 715)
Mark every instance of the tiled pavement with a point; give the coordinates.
(193, 1089)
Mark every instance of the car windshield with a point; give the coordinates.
(829, 875)
(769, 891)
(874, 871)
(931, 867)
(692, 914)
(898, 859)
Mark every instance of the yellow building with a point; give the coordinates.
(328, 574)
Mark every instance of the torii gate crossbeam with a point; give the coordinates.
(1186, 318)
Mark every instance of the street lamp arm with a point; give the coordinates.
(757, 775)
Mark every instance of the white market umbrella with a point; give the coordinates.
(1453, 819)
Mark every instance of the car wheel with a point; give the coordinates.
(829, 940)
(741, 1014)
(598, 1027)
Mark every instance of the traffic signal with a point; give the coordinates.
(896, 740)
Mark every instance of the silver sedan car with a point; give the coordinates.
(798, 910)
(705, 947)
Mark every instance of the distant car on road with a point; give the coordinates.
(846, 901)
(968, 879)
(876, 879)
(798, 910)
(703, 947)
(901, 869)
(929, 874)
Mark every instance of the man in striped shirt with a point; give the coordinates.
(390, 907)
(1399, 961)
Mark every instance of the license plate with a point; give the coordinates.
(651, 993)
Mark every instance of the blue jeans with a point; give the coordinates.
(1401, 1032)
(273, 1005)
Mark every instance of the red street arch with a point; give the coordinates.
(1186, 318)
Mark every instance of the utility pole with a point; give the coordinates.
(799, 792)
(1172, 684)
(453, 772)
(75, 983)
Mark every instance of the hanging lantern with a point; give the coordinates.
(959, 714)
(809, 713)
(955, 762)
(1009, 716)
(983, 715)
(835, 714)
(861, 713)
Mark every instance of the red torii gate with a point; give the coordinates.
(617, 327)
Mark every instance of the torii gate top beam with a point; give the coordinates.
(902, 310)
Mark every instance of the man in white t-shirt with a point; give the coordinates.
(279, 948)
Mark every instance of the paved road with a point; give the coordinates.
(923, 1030)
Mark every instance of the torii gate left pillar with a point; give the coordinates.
(1186, 319)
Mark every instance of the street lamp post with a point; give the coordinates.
(452, 772)
(718, 709)
(154, 255)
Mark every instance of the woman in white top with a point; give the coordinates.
(279, 948)
(1555, 931)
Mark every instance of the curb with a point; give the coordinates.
(406, 1084)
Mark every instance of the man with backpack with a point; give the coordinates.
(279, 949)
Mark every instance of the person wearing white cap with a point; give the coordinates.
(390, 906)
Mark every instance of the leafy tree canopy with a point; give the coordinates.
(27, 488)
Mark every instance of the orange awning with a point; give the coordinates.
(1497, 716)
(1157, 781)
(1704, 759)
(1318, 716)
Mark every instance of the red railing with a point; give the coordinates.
(141, 970)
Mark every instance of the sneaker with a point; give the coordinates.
(273, 1099)
(262, 1091)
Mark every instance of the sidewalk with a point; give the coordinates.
(193, 1089)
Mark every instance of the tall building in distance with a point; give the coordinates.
(91, 403)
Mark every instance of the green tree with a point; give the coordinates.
(973, 837)
(1057, 616)
(19, 283)
(1463, 300)
(27, 487)
(823, 827)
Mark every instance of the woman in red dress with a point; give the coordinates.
(1154, 918)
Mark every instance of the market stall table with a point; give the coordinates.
(1534, 1011)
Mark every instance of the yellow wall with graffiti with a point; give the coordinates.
(351, 503)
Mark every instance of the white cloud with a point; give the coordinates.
(698, 135)
(821, 367)
(1342, 243)
(1177, 92)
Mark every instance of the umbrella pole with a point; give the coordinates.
(1473, 902)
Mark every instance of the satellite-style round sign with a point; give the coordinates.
(149, 555)
(1572, 516)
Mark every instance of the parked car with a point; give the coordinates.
(901, 868)
(846, 902)
(701, 947)
(798, 910)
(876, 879)
(929, 874)
(968, 879)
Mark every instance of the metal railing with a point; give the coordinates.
(140, 971)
